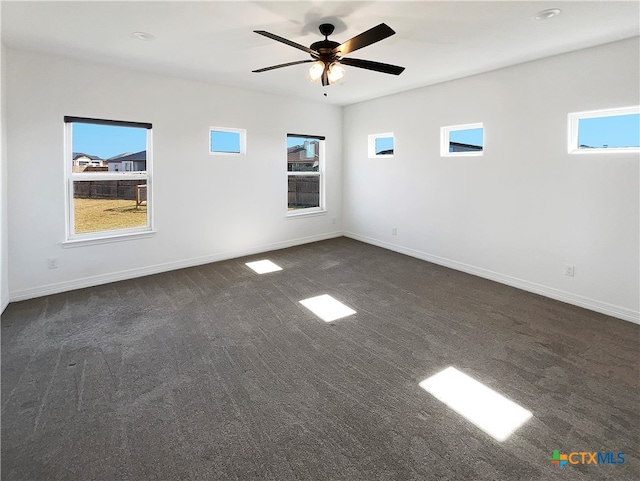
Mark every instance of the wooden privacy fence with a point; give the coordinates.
(110, 189)
(304, 191)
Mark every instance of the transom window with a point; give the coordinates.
(108, 170)
(608, 130)
(305, 170)
(462, 140)
(227, 141)
(381, 145)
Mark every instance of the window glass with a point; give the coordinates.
(303, 191)
(381, 145)
(108, 172)
(225, 142)
(465, 140)
(113, 148)
(611, 132)
(304, 173)
(607, 130)
(101, 205)
(462, 140)
(384, 146)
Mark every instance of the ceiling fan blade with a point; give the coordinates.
(372, 35)
(369, 65)
(282, 65)
(288, 42)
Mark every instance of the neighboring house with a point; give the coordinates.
(136, 162)
(82, 161)
(459, 147)
(304, 157)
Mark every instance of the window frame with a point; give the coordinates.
(243, 141)
(444, 140)
(72, 238)
(372, 145)
(573, 123)
(321, 208)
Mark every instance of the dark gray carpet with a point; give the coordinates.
(218, 373)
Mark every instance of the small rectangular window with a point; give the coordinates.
(305, 183)
(381, 145)
(226, 141)
(108, 169)
(608, 130)
(462, 140)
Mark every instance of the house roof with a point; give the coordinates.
(466, 146)
(77, 155)
(116, 157)
(142, 155)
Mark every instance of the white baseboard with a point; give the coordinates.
(557, 294)
(553, 293)
(158, 268)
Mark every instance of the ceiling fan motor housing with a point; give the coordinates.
(325, 47)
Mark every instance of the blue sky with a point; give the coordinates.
(292, 141)
(225, 141)
(384, 143)
(107, 140)
(468, 136)
(613, 131)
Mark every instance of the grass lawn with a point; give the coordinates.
(93, 215)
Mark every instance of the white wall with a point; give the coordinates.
(526, 208)
(4, 241)
(206, 208)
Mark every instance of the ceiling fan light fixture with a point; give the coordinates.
(335, 72)
(315, 71)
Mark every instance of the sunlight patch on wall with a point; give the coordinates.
(263, 267)
(327, 308)
(490, 411)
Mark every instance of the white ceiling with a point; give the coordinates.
(214, 41)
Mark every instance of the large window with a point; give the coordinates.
(610, 130)
(305, 165)
(108, 169)
(462, 140)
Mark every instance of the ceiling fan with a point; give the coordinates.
(328, 56)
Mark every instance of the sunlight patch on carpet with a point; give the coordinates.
(484, 407)
(327, 308)
(263, 267)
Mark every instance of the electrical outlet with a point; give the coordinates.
(569, 270)
(52, 263)
(394, 231)
(333, 221)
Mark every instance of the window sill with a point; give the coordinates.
(107, 240)
(462, 154)
(612, 150)
(295, 215)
